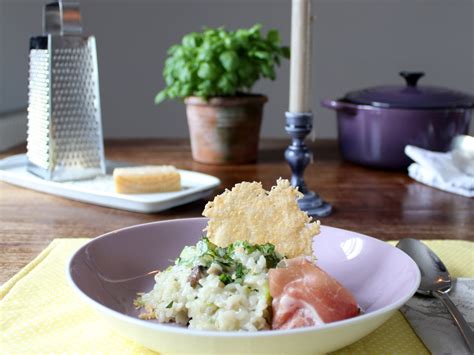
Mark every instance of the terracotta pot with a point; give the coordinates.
(225, 130)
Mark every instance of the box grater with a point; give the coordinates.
(64, 117)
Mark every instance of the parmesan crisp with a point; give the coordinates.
(248, 212)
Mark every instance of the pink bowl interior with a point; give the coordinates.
(377, 273)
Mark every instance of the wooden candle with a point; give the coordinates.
(300, 64)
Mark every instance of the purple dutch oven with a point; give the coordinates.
(376, 124)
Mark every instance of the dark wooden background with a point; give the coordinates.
(383, 204)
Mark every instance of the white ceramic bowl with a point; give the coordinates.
(381, 277)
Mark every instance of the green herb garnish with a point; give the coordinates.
(206, 253)
(225, 278)
(169, 305)
(268, 251)
(239, 271)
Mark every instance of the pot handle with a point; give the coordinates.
(412, 77)
(339, 106)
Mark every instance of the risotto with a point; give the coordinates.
(214, 288)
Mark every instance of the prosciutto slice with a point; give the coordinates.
(304, 295)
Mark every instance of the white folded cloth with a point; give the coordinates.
(438, 170)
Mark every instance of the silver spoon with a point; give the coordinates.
(436, 282)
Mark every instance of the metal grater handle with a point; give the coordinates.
(62, 17)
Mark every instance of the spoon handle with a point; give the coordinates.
(460, 321)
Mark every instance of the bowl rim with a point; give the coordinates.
(232, 334)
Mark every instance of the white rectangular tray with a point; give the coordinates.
(100, 191)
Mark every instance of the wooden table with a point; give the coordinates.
(386, 205)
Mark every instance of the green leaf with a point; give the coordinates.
(268, 71)
(169, 79)
(229, 60)
(172, 50)
(189, 40)
(185, 91)
(229, 42)
(160, 97)
(273, 37)
(255, 30)
(224, 85)
(245, 69)
(207, 71)
(184, 74)
(205, 88)
(262, 55)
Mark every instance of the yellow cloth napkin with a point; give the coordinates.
(40, 313)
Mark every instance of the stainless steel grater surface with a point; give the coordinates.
(64, 117)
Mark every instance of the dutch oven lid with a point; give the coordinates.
(411, 95)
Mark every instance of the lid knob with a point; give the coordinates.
(412, 77)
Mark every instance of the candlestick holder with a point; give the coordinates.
(298, 156)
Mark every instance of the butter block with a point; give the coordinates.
(146, 179)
